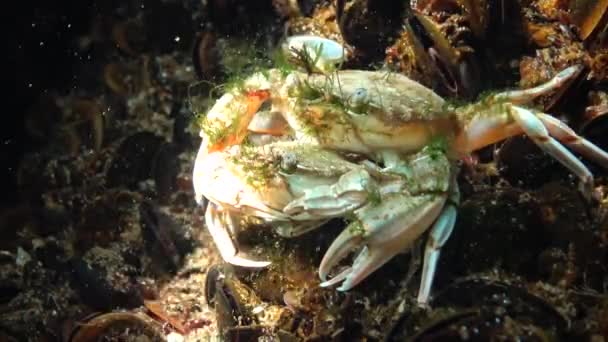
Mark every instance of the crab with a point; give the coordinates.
(295, 150)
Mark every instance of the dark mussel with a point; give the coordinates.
(122, 79)
(464, 46)
(591, 16)
(143, 156)
(474, 291)
(102, 221)
(116, 326)
(595, 123)
(82, 125)
(206, 56)
(239, 311)
(523, 164)
(483, 309)
(495, 228)
(164, 171)
(369, 25)
(231, 298)
(595, 130)
(216, 58)
(106, 280)
(165, 238)
(454, 69)
(130, 37)
(575, 254)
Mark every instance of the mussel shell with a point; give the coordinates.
(428, 33)
(160, 232)
(165, 168)
(473, 291)
(523, 164)
(119, 78)
(106, 285)
(369, 25)
(591, 16)
(232, 299)
(475, 326)
(482, 309)
(214, 275)
(596, 129)
(206, 56)
(130, 37)
(307, 7)
(494, 227)
(86, 125)
(114, 325)
(454, 73)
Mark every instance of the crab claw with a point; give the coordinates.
(219, 222)
(234, 132)
(384, 229)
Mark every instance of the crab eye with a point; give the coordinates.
(360, 95)
(289, 163)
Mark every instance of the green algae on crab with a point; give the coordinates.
(258, 169)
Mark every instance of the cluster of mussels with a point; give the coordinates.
(107, 244)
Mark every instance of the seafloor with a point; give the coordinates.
(101, 239)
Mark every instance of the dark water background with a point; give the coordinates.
(42, 57)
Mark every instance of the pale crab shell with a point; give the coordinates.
(401, 115)
(220, 177)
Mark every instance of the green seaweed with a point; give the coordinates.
(304, 58)
(281, 62)
(355, 226)
(217, 133)
(374, 196)
(437, 147)
(259, 169)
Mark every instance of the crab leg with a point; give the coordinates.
(438, 236)
(536, 130)
(218, 221)
(527, 95)
(567, 136)
(441, 231)
(489, 121)
(385, 229)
